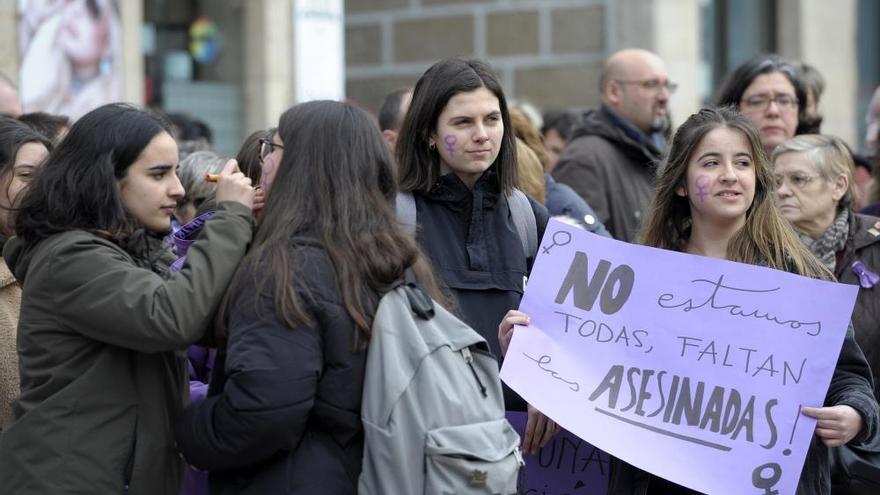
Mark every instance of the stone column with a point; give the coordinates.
(267, 67)
(9, 39)
(823, 34)
(131, 16)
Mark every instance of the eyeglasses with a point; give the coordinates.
(267, 146)
(797, 181)
(762, 102)
(652, 84)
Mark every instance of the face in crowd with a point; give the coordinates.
(720, 180)
(771, 104)
(29, 157)
(150, 188)
(637, 87)
(468, 134)
(271, 152)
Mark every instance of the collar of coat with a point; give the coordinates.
(862, 229)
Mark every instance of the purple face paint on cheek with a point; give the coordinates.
(450, 141)
(703, 182)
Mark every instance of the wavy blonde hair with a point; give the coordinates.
(530, 172)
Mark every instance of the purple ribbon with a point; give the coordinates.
(867, 278)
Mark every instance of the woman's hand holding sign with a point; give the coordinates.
(836, 425)
(505, 328)
(539, 428)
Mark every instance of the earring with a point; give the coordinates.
(432, 147)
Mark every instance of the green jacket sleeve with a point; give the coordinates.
(103, 295)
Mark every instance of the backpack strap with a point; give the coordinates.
(520, 210)
(405, 204)
(524, 219)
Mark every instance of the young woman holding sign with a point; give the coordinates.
(714, 197)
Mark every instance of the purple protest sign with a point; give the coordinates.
(565, 466)
(643, 352)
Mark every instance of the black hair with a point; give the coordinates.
(561, 121)
(77, 187)
(389, 112)
(47, 124)
(14, 135)
(187, 128)
(419, 165)
(734, 86)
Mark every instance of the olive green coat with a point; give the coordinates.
(103, 375)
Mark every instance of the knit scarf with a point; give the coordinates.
(830, 242)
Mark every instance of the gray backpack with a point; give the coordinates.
(433, 411)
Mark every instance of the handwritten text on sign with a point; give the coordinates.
(692, 368)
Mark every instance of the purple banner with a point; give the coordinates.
(645, 352)
(565, 466)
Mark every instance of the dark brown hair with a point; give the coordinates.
(419, 165)
(336, 184)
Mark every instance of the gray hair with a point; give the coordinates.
(192, 170)
(830, 157)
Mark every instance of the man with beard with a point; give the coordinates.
(614, 150)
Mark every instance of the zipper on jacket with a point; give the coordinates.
(469, 359)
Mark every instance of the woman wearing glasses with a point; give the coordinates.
(814, 180)
(285, 418)
(768, 90)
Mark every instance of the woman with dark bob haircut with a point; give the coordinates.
(738, 220)
(284, 412)
(22, 152)
(768, 90)
(102, 324)
(457, 157)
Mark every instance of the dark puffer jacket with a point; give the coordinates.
(613, 172)
(286, 419)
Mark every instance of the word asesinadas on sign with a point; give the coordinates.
(656, 346)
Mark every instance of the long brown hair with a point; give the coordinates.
(766, 236)
(336, 184)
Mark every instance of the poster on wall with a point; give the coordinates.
(319, 50)
(70, 54)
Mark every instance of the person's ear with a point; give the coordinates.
(390, 138)
(841, 185)
(613, 92)
(681, 191)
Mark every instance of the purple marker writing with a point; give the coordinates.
(703, 183)
(450, 144)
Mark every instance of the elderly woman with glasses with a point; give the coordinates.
(768, 90)
(814, 180)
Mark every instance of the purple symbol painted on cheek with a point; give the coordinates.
(450, 141)
(703, 183)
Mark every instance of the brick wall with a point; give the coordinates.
(548, 52)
